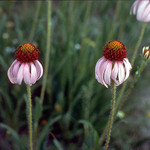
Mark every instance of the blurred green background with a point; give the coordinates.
(76, 107)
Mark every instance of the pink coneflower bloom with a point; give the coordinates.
(26, 67)
(113, 66)
(141, 8)
(146, 53)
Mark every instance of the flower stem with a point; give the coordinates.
(138, 44)
(119, 105)
(35, 21)
(111, 115)
(30, 116)
(118, 6)
(132, 62)
(47, 50)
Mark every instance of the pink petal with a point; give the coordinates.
(128, 63)
(34, 76)
(26, 74)
(127, 69)
(97, 68)
(141, 11)
(102, 71)
(141, 8)
(15, 70)
(10, 72)
(39, 69)
(20, 74)
(134, 8)
(108, 73)
(146, 12)
(121, 75)
(115, 72)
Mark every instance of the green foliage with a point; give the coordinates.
(76, 107)
(15, 136)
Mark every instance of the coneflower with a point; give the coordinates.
(113, 65)
(26, 66)
(141, 8)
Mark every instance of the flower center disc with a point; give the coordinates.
(115, 51)
(27, 53)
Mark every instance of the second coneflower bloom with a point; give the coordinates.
(141, 8)
(26, 66)
(113, 66)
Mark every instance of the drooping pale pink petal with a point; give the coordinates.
(142, 11)
(10, 72)
(127, 69)
(98, 66)
(20, 74)
(27, 74)
(15, 70)
(39, 69)
(34, 76)
(121, 74)
(102, 71)
(141, 8)
(107, 73)
(16, 67)
(128, 63)
(146, 12)
(134, 8)
(115, 72)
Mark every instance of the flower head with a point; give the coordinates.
(146, 53)
(113, 65)
(141, 8)
(26, 67)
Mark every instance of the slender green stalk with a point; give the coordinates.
(121, 93)
(138, 44)
(30, 116)
(84, 34)
(86, 19)
(131, 86)
(35, 21)
(110, 37)
(111, 115)
(132, 62)
(85, 25)
(47, 50)
(71, 7)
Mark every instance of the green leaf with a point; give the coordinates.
(91, 136)
(15, 135)
(46, 131)
(57, 144)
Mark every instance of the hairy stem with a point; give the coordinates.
(111, 115)
(30, 116)
(119, 105)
